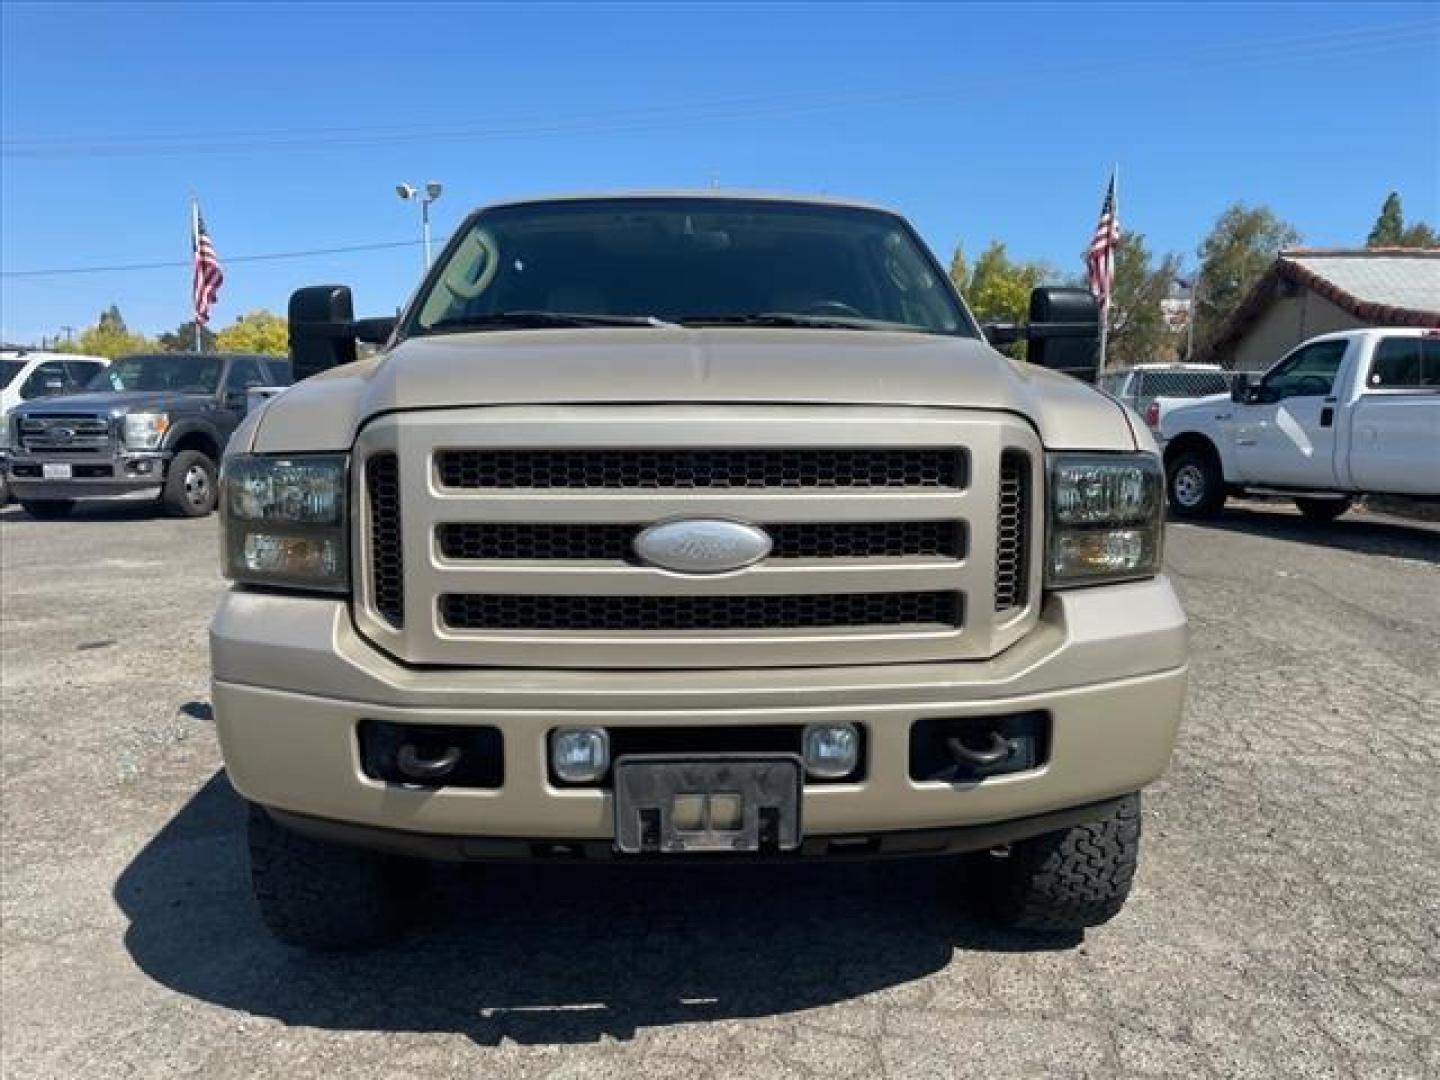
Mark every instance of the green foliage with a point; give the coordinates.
(182, 338)
(1391, 231)
(1235, 254)
(258, 331)
(997, 288)
(1138, 332)
(108, 337)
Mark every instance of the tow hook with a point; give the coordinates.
(998, 750)
(426, 769)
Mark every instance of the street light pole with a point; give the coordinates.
(424, 197)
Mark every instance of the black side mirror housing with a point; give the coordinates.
(1002, 333)
(1242, 387)
(1064, 331)
(375, 331)
(322, 329)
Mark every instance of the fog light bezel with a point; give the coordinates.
(830, 773)
(590, 778)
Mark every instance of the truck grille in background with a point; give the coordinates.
(865, 467)
(1012, 530)
(613, 543)
(65, 433)
(818, 610)
(382, 486)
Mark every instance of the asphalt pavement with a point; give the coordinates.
(1285, 922)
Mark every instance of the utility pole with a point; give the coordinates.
(69, 334)
(1192, 315)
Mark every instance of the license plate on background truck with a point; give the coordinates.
(721, 804)
(53, 471)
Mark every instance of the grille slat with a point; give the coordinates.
(1012, 532)
(387, 570)
(651, 613)
(65, 433)
(542, 542)
(822, 468)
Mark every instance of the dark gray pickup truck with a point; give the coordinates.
(148, 423)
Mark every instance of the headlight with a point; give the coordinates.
(284, 520)
(1106, 520)
(144, 430)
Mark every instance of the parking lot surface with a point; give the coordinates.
(1286, 919)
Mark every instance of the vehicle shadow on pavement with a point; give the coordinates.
(95, 510)
(1353, 532)
(551, 953)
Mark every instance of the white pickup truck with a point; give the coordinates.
(1344, 414)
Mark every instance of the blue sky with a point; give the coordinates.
(294, 122)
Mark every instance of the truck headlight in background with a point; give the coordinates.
(1106, 518)
(284, 520)
(146, 430)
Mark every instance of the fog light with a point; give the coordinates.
(831, 750)
(579, 755)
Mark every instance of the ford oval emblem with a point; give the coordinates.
(702, 546)
(61, 434)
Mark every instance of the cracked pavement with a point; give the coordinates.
(1285, 922)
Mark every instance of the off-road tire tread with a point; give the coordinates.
(1072, 878)
(321, 896)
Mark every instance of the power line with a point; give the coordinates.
(1267, 51)
(265, 257)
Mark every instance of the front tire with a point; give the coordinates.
(1070, 879)
(1322, 511)
(1195, 485)
(48, 509)
(190, 487)
(321, 896)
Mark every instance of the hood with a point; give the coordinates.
(114, 402)
(659, 366)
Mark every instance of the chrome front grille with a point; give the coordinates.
(65, 433)
(504, 536)
(543, 542)
(839, 467)
(649, 613)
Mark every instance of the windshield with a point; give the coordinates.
(9, 369)
(694, 261)
(176, 374)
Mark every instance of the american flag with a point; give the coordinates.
(208, 275)
(1100, 259)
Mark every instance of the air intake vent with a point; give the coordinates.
(863, 467)
(541, 542)
(387, 569)
(650, 613)
(1012, 532)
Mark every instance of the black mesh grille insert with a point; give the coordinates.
(387, 570)
(641, 613)
(793, 540)
(863, 467)
(1012, 531)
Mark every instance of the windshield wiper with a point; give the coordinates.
(541, 319)
(786, 318)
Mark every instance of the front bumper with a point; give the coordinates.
(292, 680)
(93, 476)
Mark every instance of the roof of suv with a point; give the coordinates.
(718, 194)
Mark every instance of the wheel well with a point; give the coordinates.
(198, 440)
(1189, 443)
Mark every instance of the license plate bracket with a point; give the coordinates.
(52, 470)
(697, 803)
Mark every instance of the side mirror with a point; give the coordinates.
(1064, 332)
(375, 331)
(1242, 387)
(1002, 333)
(322, 329)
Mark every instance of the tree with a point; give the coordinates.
(108, 337)
(1239, 248)
(257, 331)
(1391, 231)
(997, 288)
(1138, 331)
(182, 338)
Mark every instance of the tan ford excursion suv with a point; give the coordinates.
(691, 528)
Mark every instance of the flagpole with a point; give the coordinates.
(194, 255)
(1115, 225)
